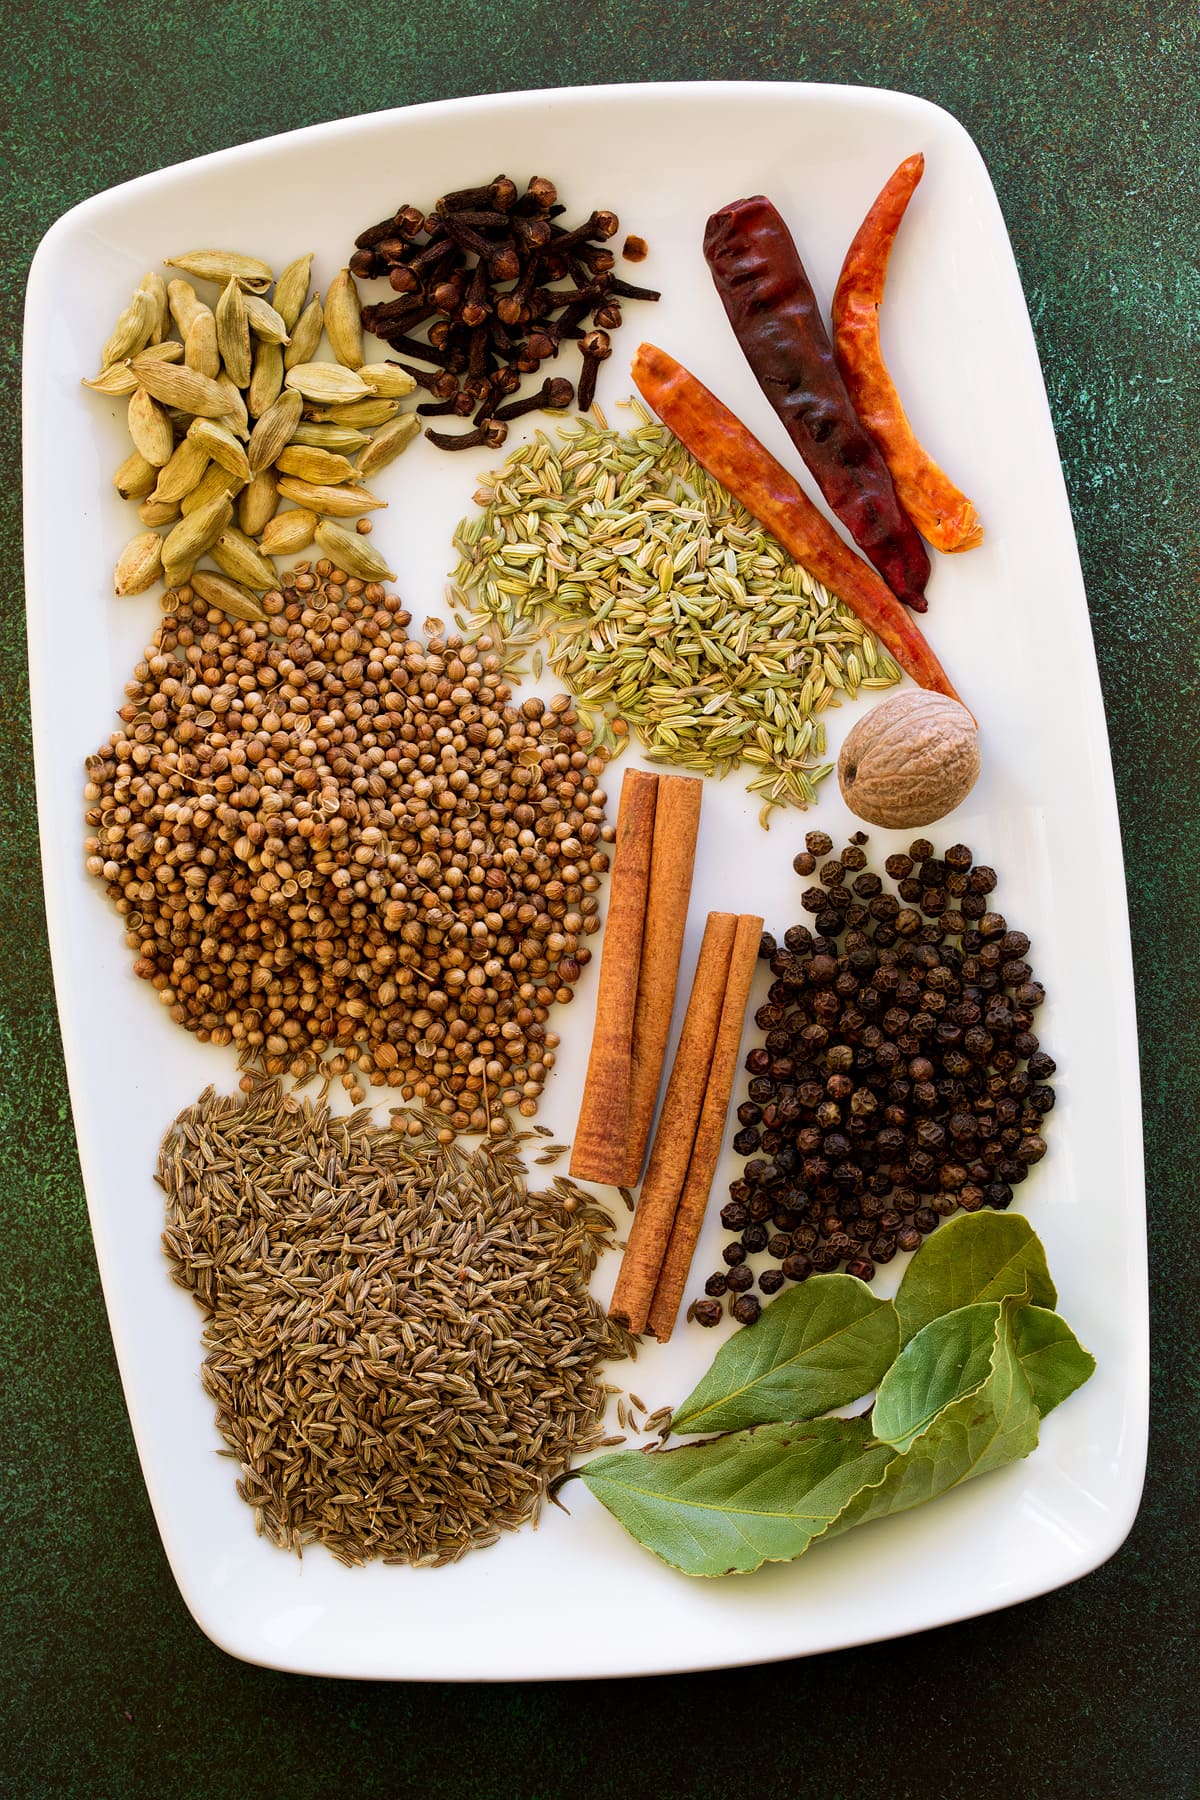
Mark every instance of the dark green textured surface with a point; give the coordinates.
(1087, 118)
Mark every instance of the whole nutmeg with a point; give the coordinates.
(910, 760)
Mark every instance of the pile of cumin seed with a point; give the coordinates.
(399, 1336)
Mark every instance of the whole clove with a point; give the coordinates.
(596, 348)
(488, 286)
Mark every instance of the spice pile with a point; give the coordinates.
(479, 276)
(899, 1077)
(197, 463)
(399, 1336)
(669, 610)
(325, 835)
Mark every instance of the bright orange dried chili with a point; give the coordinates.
(734, 457)
(943, 515)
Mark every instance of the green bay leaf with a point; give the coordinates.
(1052, 1357)
(986, 1427)
(729, 1505)
(818, 1346)
(973, 1257)
(947, 1359)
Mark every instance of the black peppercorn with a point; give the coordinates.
(734, 1253)
(733, 1215)
(746, 1309)
(766, 946)
(797, 1267)
(707, 1312)
(754, 1239)
(770, 1281)
(739, 1279)
(818, 842)
(779, 1245)
(716, 1284)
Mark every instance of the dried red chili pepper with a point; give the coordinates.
(774, 313)
(734, 457)
(937, 508)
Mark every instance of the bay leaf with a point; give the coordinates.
(1052, 1357)
(818, 1346)
(948, 1358)
(991, 1424)
(731, 1504)
(973, 1257)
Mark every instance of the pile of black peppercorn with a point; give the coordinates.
(899, 1077)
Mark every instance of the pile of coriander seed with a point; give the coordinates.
(332, 842)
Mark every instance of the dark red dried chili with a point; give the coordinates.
(774, 313)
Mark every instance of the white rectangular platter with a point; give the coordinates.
(576, 1597)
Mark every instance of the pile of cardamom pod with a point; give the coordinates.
(242, 442)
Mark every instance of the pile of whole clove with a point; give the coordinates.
(495, 286)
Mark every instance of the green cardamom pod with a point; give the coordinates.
(390, 441)
(235, 414)
(291, 290)
(311, 464)
(139, 564)
(273, 430)
(359, 413)
(266, 380)
(330, 437)
(218, 442)
(223, 266)
(226, 596)
(158, 512)
(233, 334)
(306, 334)
(193, 535)
(257, 503)
(184, 471)
(388, 379)
(343, 319)
(265, 323)
(288, 532)
(150, 428)
(352, 552)
(153, 284)
(234, 553)
(330, 384)
(136, 477)
(173, 384)
(201, 350)
(215, 482)
(184, 303)
(119, 379)
(343, 502)
(131, 332)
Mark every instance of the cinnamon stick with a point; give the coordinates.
(601, 1136)
(710, 1132)
(650, 1231)
(676, 825)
